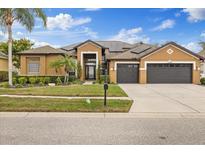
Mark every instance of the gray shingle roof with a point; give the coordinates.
(142, 50)
(123, 50)
(3, 56)
(112, 45)
(136, 52)
(44, 50)
(115, 45)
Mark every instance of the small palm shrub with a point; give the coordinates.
(58, 81)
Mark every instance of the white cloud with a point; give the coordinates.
(3, 36)
(88, 32)
(131, 35)
(193, 46)
(19, 33)
(195, 14)
(166, 24)
(41, 43)
(65, 21)
(92, 9)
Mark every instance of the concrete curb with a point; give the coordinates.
(64, 97)
(100, 115)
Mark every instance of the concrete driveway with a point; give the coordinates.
(171, 98)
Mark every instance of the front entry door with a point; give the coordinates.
(90, 72)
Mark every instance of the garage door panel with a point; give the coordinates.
(127, 73)
(169, 73)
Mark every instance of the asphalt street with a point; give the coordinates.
(68, 130)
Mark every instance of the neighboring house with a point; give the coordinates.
(37, 61)
(127, 63)
(3, 62)
(202, 53)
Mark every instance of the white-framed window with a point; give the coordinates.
(33, 65)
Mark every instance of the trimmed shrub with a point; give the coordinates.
(202, 81)
(53, 78)
(22, 80)
(32, 80)
(58, 81)
(38, 79)
(102, 79)
(46, 80)
(5, 85)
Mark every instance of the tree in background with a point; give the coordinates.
(202, 44)
(17, 47)
(23, 16)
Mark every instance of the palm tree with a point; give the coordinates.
(26, 17)
(68, 63)
(56, 65)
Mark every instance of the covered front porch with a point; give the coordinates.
(89, 63)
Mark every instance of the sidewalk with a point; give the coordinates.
(65, 97)
(100, 115)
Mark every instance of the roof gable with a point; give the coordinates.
(43, 50)
(89, 41)
(177, 46)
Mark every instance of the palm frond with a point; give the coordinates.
(24, 17)
(40, 14)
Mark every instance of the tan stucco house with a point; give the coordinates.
(126, 63)
(3, 62)
(36, 62)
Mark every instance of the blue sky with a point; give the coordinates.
(66, 26)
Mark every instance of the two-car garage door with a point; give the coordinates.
(127, 73)
(156, 73)
(169, 73)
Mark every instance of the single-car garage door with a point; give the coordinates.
(127, 73)
(169, 73)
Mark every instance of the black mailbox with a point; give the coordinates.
(105, 86)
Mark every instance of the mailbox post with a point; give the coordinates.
(105, 86)
(105, 93)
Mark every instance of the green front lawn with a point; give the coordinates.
(62, 105)
(71, 90)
